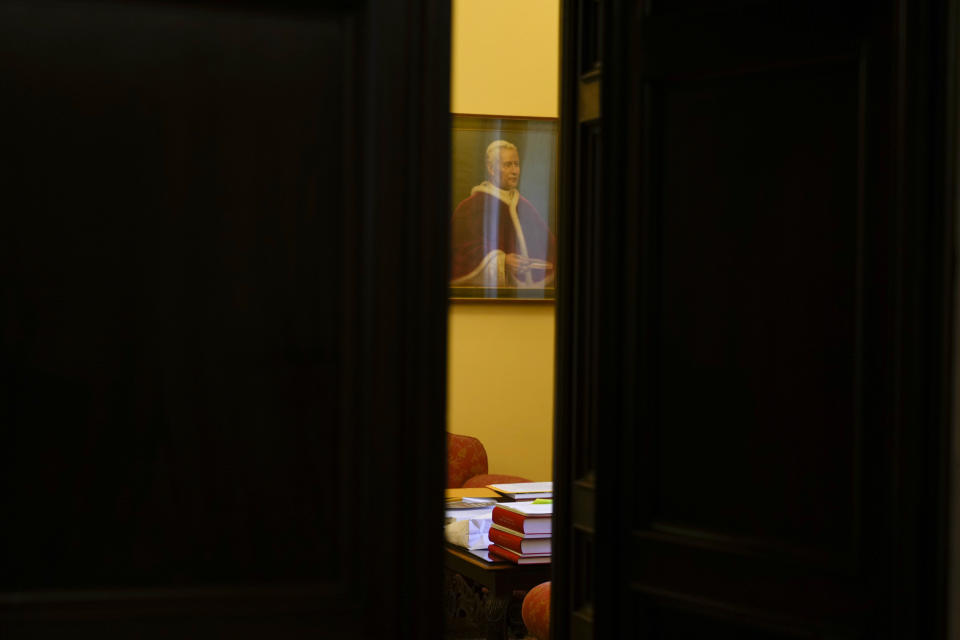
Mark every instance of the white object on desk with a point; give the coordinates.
(469, 528)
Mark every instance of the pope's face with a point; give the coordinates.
(506, 173)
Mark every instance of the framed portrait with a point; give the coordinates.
(504, 192)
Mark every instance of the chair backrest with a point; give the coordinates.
(466, 458)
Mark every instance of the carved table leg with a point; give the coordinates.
(463, 602)
(495, 613)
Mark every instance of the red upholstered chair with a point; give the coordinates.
(467, 464)
(536, 611)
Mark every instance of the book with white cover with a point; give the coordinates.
(528, 509)
(524, 490)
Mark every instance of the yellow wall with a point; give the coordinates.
(505, 61)
(505, 57)
(500, 386)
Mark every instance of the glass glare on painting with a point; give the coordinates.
(504, 189)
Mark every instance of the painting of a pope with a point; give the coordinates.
(499, 239)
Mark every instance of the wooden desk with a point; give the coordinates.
(467, 575)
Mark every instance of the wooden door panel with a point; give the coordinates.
(728, 579)
(757, 318)
(752, 494)
(178, 314)
(672, 622)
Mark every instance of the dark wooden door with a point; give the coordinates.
(222, 336)
(754, 324)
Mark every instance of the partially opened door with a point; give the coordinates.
(222, 337)
(754, 334)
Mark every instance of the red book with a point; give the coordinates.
(525, 520)
(519, 544)
(525, 536)
(506, 554)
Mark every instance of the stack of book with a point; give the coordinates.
(521, 532)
